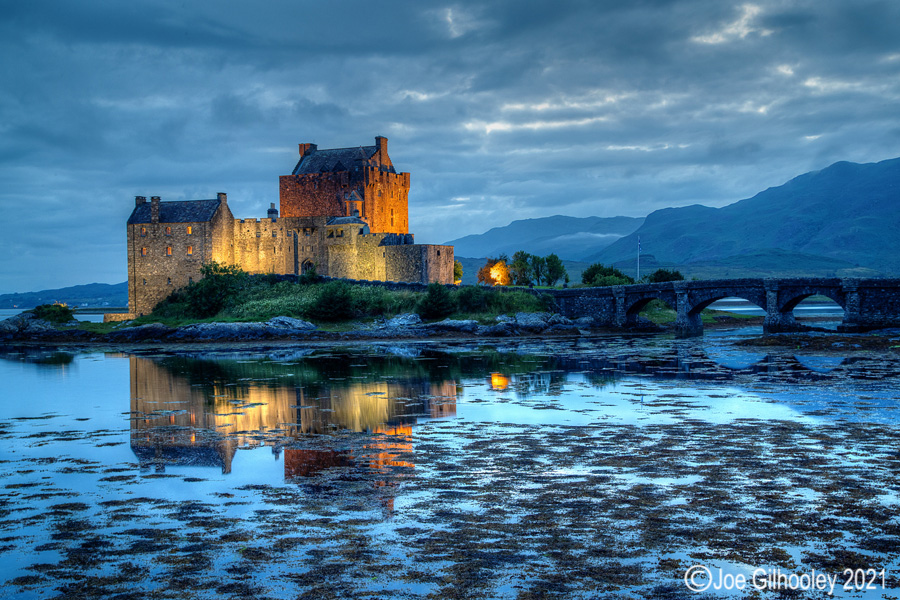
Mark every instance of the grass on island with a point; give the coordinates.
(226, 294)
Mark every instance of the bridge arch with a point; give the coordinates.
(789, 304)
(636, 302)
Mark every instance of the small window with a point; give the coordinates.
(169, 281)
(143, 232)
(168, 250)
(439, 252)
(190, 230)
(145, 282)
(190, 280)
(274, 234)
(190, 250)
(168, 231)
(258, 234)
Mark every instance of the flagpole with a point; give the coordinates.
(639, 261)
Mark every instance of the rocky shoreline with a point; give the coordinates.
(26, 328)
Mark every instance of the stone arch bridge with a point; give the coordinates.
(867, 303)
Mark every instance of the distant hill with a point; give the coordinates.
(91, 294)
(845, 218)
(569, 237)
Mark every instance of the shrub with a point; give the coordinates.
(662, 275)
(600, 275)
(334, 303)
(54, 313)
(309, 275)
(472, 299)
(218, 288)
(436, 302)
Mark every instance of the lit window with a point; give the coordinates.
(143, 231)
(190, 230)
(168, 250)
(168, 231)
(191, 250)
(143, 252)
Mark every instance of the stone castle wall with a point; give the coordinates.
(263, 246)
(385, 196)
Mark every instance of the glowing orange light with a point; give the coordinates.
(499, 382)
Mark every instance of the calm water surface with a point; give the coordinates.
(582, 469)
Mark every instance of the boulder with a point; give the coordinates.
(290, 323)
(25, 325)
(505, 329)
(532, 322)
(455, 325)
(403, 320)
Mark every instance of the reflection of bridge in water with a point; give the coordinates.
(867, 303)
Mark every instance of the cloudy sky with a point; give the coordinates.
(501, 110)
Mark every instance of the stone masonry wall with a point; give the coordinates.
(263, 246)
(313, 195)
(163, 257)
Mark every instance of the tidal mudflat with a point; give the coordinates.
(601, 467)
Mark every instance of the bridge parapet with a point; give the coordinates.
(868, 303)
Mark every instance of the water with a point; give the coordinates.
(523, 469)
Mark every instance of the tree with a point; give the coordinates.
(457, 272)
(600, 275)
(555, 269)
(662, 275)
(520, 268)
(436, 302)
(494, 271)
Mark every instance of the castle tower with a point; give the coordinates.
(338, 182)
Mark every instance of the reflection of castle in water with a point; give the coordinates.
(188, 412)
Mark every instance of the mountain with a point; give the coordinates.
(569, 237)
(91, 294)
(847, 213)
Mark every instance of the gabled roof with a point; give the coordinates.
(336, 160)
(185, 211)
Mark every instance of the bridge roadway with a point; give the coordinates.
(867, 303)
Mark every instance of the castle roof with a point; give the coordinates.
(345, 221)
(336, 160)
(184, 211)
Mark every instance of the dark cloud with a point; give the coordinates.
(502, 110)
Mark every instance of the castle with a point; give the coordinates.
(344, 211)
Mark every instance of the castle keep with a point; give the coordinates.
(344, 211)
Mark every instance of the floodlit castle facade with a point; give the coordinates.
(344, 212)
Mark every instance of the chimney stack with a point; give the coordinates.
(273, 212)
(154, 209)
(307, 149)
(381, 144)
(138, 200)
(223, 197)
